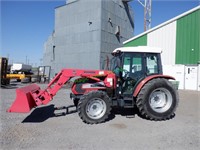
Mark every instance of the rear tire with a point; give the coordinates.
(94, 107)
(157, 100)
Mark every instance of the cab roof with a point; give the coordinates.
(138, 49)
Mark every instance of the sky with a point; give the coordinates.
(25, 25)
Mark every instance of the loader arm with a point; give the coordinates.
(32, 96)
(44, 96)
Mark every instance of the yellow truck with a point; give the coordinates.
(19, 77)
(6, 75)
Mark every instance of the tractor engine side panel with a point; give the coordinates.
(82, 88)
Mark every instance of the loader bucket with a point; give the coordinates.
(24, 101)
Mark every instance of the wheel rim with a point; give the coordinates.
(160, 100)
(96, 108)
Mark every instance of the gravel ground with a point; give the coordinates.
(48, 128)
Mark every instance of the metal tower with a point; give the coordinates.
(147, 13)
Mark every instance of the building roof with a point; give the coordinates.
(163, 24)
(144, 49)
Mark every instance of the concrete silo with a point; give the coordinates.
(86, 32)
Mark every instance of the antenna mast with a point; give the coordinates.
(147, 13)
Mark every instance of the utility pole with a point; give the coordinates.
(26, 60)
(147, 13)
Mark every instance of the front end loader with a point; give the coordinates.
(135, 79)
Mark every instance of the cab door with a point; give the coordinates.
(133, 71)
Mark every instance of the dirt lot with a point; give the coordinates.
(48, 128)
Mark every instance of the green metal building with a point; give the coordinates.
(180, 40)
(179, 36)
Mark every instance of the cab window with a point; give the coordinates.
(152, 64)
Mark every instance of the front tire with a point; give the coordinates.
(157, 100)
(94, 107)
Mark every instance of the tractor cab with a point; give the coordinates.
(133, 64)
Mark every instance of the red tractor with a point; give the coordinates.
(135, 79)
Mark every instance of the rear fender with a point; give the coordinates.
(147, 79)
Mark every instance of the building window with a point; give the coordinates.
(54, 52)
